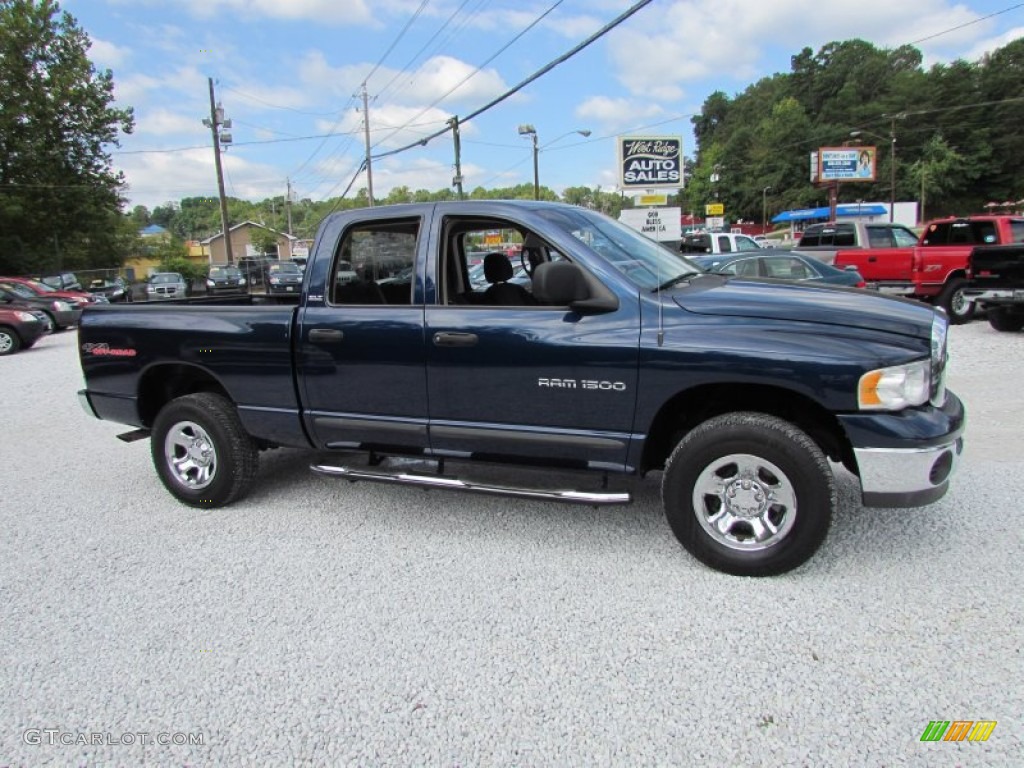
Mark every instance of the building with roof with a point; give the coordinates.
(241, 243)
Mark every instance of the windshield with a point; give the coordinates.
(39, 287)
(19, 290)
(285, 266)
(225, 272)
(642, 260)
(171, 277)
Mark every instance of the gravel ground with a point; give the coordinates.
(322, 623)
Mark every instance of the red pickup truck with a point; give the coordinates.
(935, 269)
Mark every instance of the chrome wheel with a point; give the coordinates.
(6, 342)
(958, 303)
(190, 455)
(744, 502)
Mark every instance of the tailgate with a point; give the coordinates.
(878, 265)
(995, 266)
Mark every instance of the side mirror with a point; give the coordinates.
(564, 283)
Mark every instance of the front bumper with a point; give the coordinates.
(906, 459)
(906, 477)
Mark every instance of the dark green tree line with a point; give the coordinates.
(60, 200)
(957, 127)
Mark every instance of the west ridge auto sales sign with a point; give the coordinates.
(651, 162)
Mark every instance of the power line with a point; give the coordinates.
(477, 69)
(394, 42)
(542, 71)
(966, 24)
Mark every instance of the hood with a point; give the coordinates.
(850, 307)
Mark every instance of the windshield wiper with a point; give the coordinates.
(677, 279)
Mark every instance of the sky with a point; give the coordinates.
(289, 74)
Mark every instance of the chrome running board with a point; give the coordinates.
(593, 498)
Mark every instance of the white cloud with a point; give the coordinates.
(689, 41)
(983, 47)
(163, 122)
(107, 55)
(347, 12)
(440, 77)
(156, 178)
(614, 114)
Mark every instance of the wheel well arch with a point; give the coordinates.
(162, 383)
(686, 409)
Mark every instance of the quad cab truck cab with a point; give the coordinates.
(618, 358)
(935, 269)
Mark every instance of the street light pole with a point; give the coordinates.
(892, 158)
(528, 130)
(764, 210)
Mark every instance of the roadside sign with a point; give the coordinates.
(649, 200)
(714, 209)
(656, 223)
(650, 162)
(715, 222)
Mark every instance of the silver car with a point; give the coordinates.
(166, 285)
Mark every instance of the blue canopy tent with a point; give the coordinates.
(847, 209)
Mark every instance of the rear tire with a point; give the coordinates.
(749, 494)
(10, 342)
(201, 451)
(952, 299)
(1005, 319)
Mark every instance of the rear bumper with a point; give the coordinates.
(995, 295)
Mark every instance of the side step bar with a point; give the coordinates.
(454, 484)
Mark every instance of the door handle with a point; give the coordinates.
(872, 258)
(455, 339)
(325, 335)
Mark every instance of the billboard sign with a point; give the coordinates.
(847, 163)
(714, 209)
(650, 162)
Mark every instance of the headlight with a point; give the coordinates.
(210, 283)
(61, 306)
(274, 281)
(241, 281)
(891, 389)
(26, 317)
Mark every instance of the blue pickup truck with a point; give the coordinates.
(616, 356)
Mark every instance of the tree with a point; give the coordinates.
(58, 193)
(263, 240)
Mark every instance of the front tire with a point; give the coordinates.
(952, 299)
(1003, 319)
(749, 494)
(201, 451)
(10, 342)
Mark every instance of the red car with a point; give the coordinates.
(77, 299)
(20, 329)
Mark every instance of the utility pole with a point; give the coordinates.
(214, 123)
(366, 132)
(457, 181)
(892, 162)
(288, 204)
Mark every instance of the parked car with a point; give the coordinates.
(116, 289)
(77, 299)
(20, 328)
(779, 264)
(256, 268)
(284, 277)
(225, 278)
(166, 285)
(64, 281)
(59, 312)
